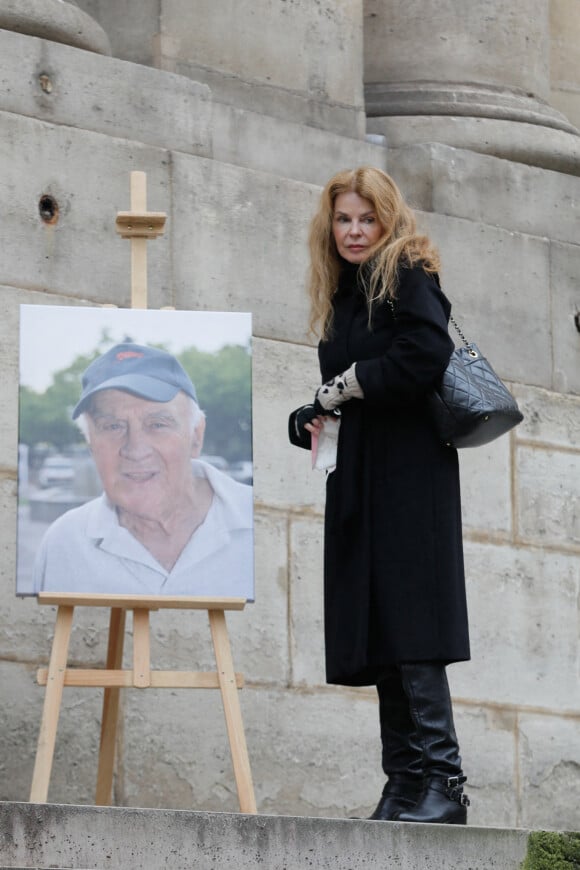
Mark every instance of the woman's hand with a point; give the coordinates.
(315, 425)
(309, 419)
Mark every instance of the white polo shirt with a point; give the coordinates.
(86, 550)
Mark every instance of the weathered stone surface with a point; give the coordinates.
(564, 266)
(81, 255)
(549, 417)
(306, 603)
(311, 766)
(239, 242)
(62, 85)
(531, 144)
(131, 36)
(499, 285)
(75, 760)
(549, 768)
(308, 70)
(286, 148)
(485, 488)
(283, 475)
(92, 93)
(548, 484)
(523, 606)
(508, 46)
(487, 742)
(565, 59)
(55, 20)
(51, 835)
(488, 190)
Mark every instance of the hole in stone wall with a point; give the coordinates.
(48, 209)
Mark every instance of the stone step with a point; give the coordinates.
(93, 838)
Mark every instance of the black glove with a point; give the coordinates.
(304, 415)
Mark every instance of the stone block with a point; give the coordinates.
(564, 270)
(84, 91)
(284, 377)
(549, 770)
(20, 714)
(485, 488)
(523, 606)
(81, 255)
(549, 417)
(500, 294)
(287, 148)
(300, 745)
(487, 742)
(308, 70)
(239, 242)
(306, 601)
(489, 190)
(74, 767)
(548, 485)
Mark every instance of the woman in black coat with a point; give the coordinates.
(395, 608)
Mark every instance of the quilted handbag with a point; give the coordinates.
(471, 406)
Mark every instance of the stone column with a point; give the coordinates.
(55, 20)
(466, 72)
(565, 58)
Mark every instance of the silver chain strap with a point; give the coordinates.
(453, 321)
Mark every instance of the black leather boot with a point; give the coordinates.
(442, 800)
(399, 794)
(401, 752)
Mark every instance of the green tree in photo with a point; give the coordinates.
(222, 381)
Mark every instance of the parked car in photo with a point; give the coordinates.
(56, 471)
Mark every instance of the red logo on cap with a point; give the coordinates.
(126, 354)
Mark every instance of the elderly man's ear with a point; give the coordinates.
(197, 439)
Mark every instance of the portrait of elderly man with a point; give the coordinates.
(167, 523)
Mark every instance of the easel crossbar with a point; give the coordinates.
(124, 679)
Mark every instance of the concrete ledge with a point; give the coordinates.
(43, 835)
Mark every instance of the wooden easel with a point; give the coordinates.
(139, 226)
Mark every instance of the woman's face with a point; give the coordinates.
(355, 226)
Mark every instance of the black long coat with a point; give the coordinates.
(393, 557)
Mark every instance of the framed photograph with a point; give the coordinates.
(135, 452)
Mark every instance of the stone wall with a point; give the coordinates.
(239, 184)
(308, 70)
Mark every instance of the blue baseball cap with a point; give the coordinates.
(143, 371)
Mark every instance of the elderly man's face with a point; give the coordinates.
(143, 450)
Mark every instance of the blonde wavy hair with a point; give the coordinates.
(400, 244)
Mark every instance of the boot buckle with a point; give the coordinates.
(465, 802)
(455, 781)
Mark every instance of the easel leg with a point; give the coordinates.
(232, 711)
(110, 710)
(52, 702)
